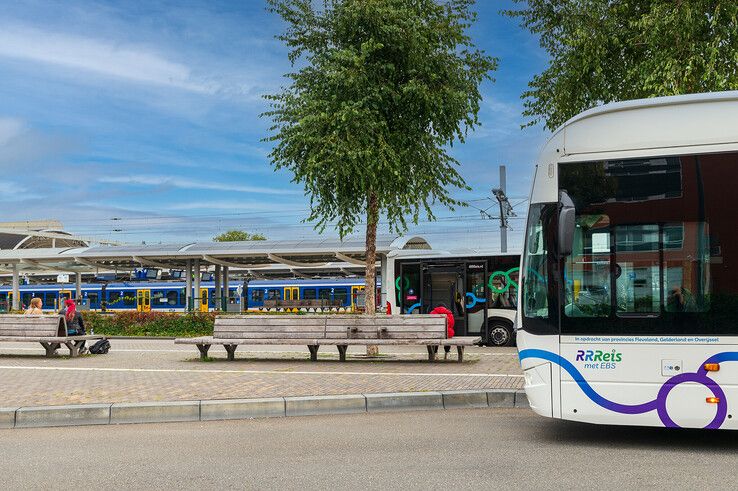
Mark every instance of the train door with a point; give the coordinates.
(10, 301)
(64, 295)
(291, 293)
(358, 298)
(204, 299)
(143, 300)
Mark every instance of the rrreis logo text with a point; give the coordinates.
(598, 359)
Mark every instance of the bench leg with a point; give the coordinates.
(460, 351)
(203, 350)
(73, 348)
(432, 352)
(313, 351)
(231, 350)
(50, 348)
(342, 351)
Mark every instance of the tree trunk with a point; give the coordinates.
(370, 288)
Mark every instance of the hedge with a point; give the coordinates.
(160, 323)
(150, 324)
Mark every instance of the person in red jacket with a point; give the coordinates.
(441, 309)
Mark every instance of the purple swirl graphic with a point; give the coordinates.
(659, 404)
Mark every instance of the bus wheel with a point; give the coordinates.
(499, 334)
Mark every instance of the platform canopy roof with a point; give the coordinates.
(251, 256)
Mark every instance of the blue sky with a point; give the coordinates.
(139, 121)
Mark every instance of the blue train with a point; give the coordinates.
(340, 293)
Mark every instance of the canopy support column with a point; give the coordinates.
(198, 300)
(78, 287)
(226, 291)
(16, 289)
(219, 303)
(188, 287)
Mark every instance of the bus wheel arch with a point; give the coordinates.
(500, 332)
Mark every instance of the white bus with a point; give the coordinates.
(481, 290)
(628, 311)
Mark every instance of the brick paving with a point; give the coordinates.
(158, 370)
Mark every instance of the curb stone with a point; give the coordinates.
(7, 417)
(458, 399)
(72, 415)
(394, 401)
(268, 407)
(314, 405)
(154, 412)
(210, 410)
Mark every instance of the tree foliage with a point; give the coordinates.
(237, 235)
(609, 50)
(383, 88)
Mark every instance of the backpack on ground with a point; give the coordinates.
(101, 347)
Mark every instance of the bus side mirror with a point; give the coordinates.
(567, 224)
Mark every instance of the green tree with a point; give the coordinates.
(383, 89)
(237, 235)
(609, 50)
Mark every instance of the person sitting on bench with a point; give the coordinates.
(75, 322)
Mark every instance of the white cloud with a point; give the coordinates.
(183, 183)
(9, 129)
(127, 62)
(238, 206)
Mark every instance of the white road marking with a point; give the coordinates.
(156, 350)
(259, 372)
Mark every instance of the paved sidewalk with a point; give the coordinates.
(158, 370)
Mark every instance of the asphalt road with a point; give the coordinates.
(462, 449)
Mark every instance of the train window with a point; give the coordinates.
(340, 294)
(94, 298)
(172, 297)
(50, 300)
(309, 293)
(158, 297)
(114, 297)
(273, 294)
(129, 299)
(26, 298)
(324, 293)
(257, 295)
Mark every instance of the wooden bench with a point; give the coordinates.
(49, 330)
(341, 331)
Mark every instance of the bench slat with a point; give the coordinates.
(28, 332)
(265, 321)
(389, 327)
(275, 329)
(27, 319)
(267, 335)
(461, 341)
(399, 320)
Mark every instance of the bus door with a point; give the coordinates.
(204, 299)
(444, 286)
(143, 300)
(475, 299)
(358, 299)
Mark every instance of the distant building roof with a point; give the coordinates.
(37, 234)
